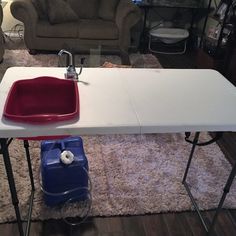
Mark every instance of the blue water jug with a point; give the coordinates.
(58, 177)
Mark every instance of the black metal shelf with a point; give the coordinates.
(147, 5)
(223, 21)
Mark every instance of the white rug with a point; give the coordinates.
(131, 174)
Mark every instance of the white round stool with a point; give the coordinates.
(168, 36)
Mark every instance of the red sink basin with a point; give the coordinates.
(42, 100)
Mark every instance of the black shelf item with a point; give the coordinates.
(222, 16)
(205, 23)
(224, 22)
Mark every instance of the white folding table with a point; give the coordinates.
(131, 101)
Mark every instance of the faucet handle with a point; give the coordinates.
(82, 60)
(81, 65)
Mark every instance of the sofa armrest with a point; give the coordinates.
(24, 11)
(124, 10)
(1, 36)
(1, 15)
(127, 15)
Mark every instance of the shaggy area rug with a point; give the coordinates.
(23, 58)
(131, 174)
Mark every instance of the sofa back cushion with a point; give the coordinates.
(107, 9)
(55, 11)
(59, 11)
(41, 8)
(85, 9)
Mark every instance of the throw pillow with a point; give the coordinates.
(107, 9)
(41, 8)
(60, 11)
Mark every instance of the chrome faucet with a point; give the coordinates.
(71, 71)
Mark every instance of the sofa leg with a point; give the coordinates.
(124, 55)
(32, 51)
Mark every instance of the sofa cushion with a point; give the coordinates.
(97, 29)
(41, 8)
(107, 9)
(60, 11)
(85, 9)
(63, 30)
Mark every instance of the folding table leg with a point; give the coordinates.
(226, 188)
(221, 202)
(26, 146)
(195, 141)
(194, 144)
(11, 182)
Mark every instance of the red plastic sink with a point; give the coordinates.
(42, 100)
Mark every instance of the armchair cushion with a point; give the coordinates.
(107, 9)
(99, 29)
(63, 30)
(60, 11)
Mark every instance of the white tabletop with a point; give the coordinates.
(134, 101)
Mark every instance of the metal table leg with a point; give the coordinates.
(26, 146)
(226, 190)
(209, 229)
(11, 182)
(4, 151)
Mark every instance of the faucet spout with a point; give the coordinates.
(69, 55)
(71, 71)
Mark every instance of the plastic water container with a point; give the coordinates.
(58, 177)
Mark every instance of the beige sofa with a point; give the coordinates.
(1, 36)
(76, 24)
